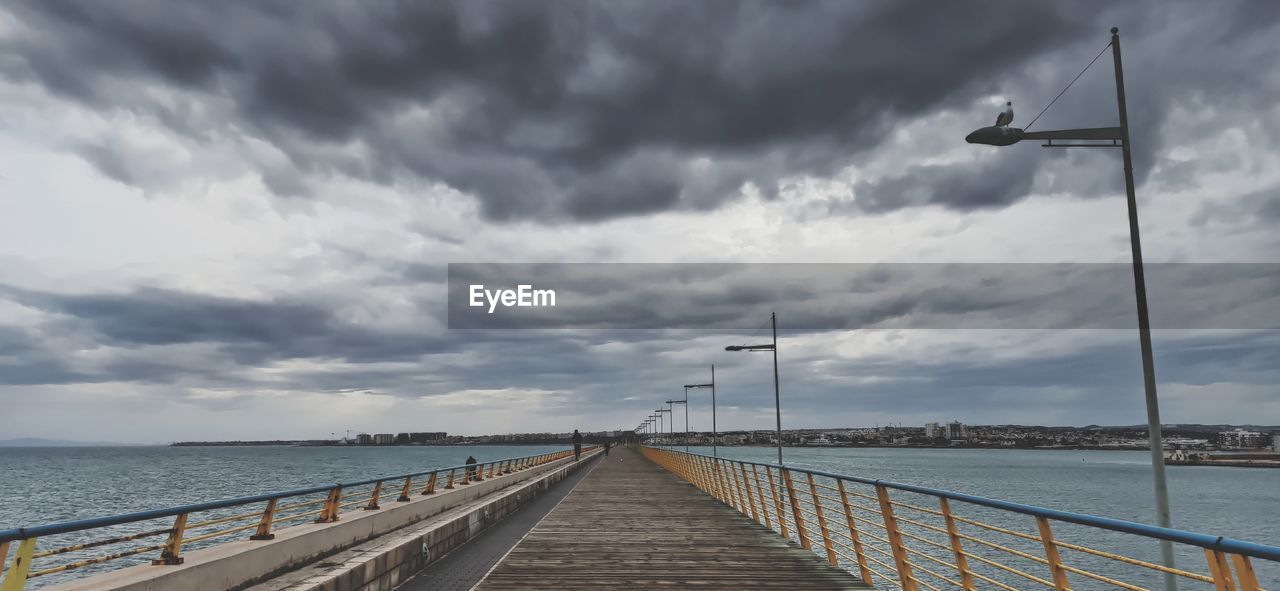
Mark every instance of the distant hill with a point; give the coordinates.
(41, 442)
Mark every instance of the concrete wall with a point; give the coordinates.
(382, 564)
(241, 563)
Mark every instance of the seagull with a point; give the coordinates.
(1006, 116)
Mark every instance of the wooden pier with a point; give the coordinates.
(632, 525)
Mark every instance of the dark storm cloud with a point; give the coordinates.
(820, 296)
(598, 371)
(150, 316)
(555, 110)
(249, 331)
(154, 335)
(25, 360)
(994, 183)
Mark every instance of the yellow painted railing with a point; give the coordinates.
(896, 536)
(217, 521)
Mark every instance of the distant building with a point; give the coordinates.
(364, 439)
(932, 430)
(427, 437)
(1275, 441)
(384, 439)
(1242, 438)
(957, 430)
(402, 439)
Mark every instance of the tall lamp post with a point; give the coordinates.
(1118, 137)
(777, 404)
(715, 436)
(685, 402)
(660, 411)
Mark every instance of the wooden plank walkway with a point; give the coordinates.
(632, 525)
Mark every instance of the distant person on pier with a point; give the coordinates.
(606, 448)
(471, 468)
(577, 445)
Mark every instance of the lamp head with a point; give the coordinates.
(995, 136)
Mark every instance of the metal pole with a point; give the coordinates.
(671, 425)
(686, 420)
(777, 400)
(1144, 325)
(715, 436)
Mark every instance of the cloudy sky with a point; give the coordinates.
(233, 219)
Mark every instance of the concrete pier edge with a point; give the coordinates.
(242, 564)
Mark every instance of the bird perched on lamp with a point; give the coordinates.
(1005, 117)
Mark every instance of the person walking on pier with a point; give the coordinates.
(577, 445)
(606, 448)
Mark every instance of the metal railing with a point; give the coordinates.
(912, 538)
(201, 522)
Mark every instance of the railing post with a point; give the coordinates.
(695, 463)
(722, 485)
(737, 490)
(953, 532)
(764, 505)
(405, 490)
(491, 467)
(373, 499)
(751, 500)
(430, 488)
(330, 511)
(1051, 553)
(16, 577)
(709, 476)
(858, 551)
(796, 516)
(1220, 570)
(777, 502)
(900, 557)
(171, 554)
(1244, 572)
(264, 525)
(822, 521)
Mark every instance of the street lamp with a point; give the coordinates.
(714, 435)
(660, 411)
(1118, 138)
(777, 404)
(685, 402)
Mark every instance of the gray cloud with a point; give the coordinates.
(576, 111)
(564, 110)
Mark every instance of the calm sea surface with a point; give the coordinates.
(43, 485)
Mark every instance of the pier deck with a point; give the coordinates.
(630, 524)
